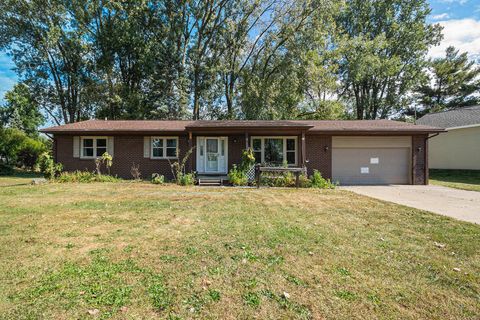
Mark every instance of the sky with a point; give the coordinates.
(460, 19)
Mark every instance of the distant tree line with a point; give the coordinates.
(231, 59)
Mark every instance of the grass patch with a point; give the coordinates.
(134, 250)
(458, 179)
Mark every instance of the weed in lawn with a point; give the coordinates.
(346, 295)
(251, 299)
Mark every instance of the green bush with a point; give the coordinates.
(186, 179)
(48, 167)
(6, 170)
(248, 159)
(157, 178)
(29, 152)
(237, 177)
(85, 177)
(317, 181)
(16, 148)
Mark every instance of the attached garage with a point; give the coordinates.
(371, 160)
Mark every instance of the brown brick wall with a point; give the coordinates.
(127, 150)
(419, 160)
(316, 155)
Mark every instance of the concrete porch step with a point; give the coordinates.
(207, 181)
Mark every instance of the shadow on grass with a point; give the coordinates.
(459, 176)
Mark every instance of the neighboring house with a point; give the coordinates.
(351, 152)
(459, 148)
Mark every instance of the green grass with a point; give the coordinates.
(138, 250)
(458, 179)
(19, 178)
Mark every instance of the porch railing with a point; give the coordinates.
(259, 170)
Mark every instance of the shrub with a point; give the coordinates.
(157, 178)
(106, 159)
(317, 181)
(135, 171)
(237, 177)
(85, 177)
(48, 167)
(248, 159)
(29, 151)
(187, 179)
(5, 169)
(178, 170)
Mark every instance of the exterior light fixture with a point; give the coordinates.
(325, 148)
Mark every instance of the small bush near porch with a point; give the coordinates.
(139, 250)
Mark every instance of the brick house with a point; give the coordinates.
(349, 151)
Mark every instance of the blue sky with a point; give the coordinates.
(460, 19)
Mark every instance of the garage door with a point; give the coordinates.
(367, 161)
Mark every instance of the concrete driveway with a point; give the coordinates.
(459, 204)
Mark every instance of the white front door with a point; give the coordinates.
(212, 154)
(212, 146)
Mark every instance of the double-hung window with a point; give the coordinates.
(93, 147)
(275, 150)
(164, 147)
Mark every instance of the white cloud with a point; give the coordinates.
(461, 2)
(441, 16)
(463, 34)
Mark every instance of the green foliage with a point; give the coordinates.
(449, 82)
(157, 178)
(383, 48)
(237, 177)
(186, 179)
(21, 110)
(16, 148)
(6, 170)
(10, 142)
(251, 299)
(170, 59)
(48, 167)
(248, 159)
(85, 177)
(317, 181)
(178, 170)
(105, 159)
(29, 152)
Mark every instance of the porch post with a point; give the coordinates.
(304, 156)
(246, 141)
(190, 146)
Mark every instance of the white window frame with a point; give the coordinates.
(94, 138)
(262, 148)
(164, 147)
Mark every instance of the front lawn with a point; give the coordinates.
(459, 179)
(19, 178)
(136, 250)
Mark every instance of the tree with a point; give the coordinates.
(50, 53)
(383, 46)
(450, 82)
(21, 110)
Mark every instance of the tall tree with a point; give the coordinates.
(50, 53)
(383, 44)
(21, 110)
(450, 82)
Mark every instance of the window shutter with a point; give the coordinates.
(110, 144)
(146, 147)
(76, 147)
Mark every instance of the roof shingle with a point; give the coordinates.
(184, 125)
(453, 118)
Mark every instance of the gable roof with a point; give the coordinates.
(468, 116)
(185, 125)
